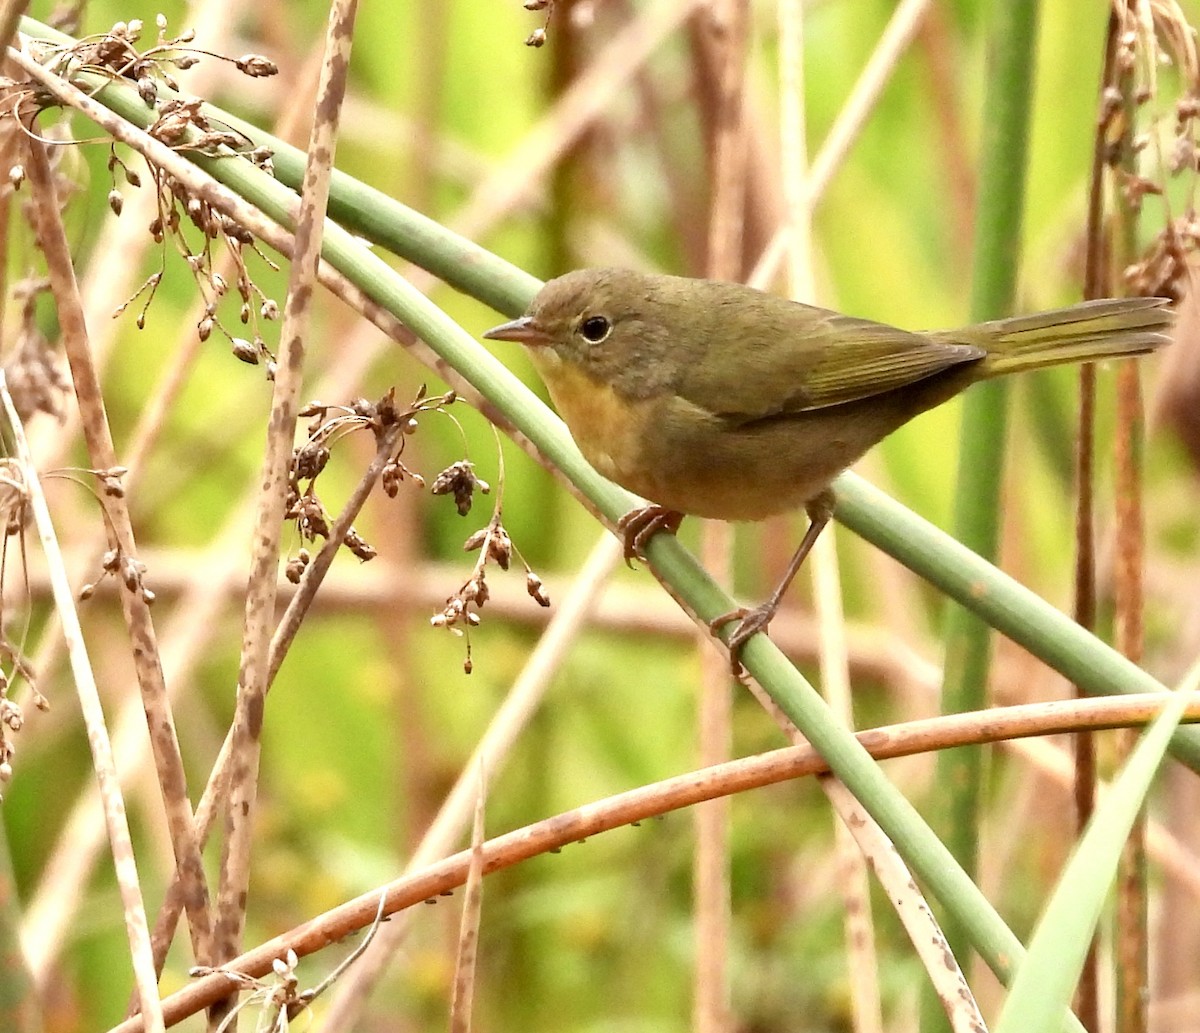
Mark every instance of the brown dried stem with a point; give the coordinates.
(134, 595)
(659, 798)
(253, 676)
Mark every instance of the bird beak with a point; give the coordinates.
(524, 331)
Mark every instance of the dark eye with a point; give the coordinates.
(595, 329)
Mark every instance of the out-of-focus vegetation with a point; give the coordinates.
(372, 717)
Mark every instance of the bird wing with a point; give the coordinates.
(810, 358)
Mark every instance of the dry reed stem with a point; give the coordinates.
(658, 798)
(253, 676)
(1131, 911)
(468, 936)
(1096, 285)
(914, 913)
(713, 919)
(116, 820)
(1131, 947)
(519, 706)
(10, 17)
(52, 241)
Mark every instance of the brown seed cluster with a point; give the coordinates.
(1143, 162)
(390, 423)
(185, 223)
(493, 544)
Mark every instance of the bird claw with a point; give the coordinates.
(638, 526)
(750, 623)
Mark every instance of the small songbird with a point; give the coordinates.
(718, 400)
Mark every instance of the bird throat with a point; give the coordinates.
(615, 425)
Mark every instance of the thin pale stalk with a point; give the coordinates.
(915, 915)
(254, 673)
(711, 998)
(799, 192)
(93, 716)
(468, 938)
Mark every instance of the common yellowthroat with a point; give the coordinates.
(718, 400)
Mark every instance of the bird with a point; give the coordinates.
(718, 400)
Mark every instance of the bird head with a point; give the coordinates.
(606, 323)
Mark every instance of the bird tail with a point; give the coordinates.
(1093, 330)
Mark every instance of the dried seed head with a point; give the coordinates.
(294, 570)
(500, 547)
(309, 460)
(459, 480)
(115, 201)
(537, 38)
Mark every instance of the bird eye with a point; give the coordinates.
(595, 329)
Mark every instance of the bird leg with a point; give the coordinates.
(638, 526)
(751, 622)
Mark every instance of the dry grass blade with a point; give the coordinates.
(914, 913)
(851, 118)
(121, 559)
(899, 33)
(253, 676)
(852, 836)
(145, 977)
(468, 936)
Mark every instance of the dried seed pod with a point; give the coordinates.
(244, 350)
(256, 66)
(533, 585)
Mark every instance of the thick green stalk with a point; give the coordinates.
(984, 425)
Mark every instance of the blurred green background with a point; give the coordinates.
(372, 717)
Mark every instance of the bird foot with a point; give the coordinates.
(750, 623)
(638, 526)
